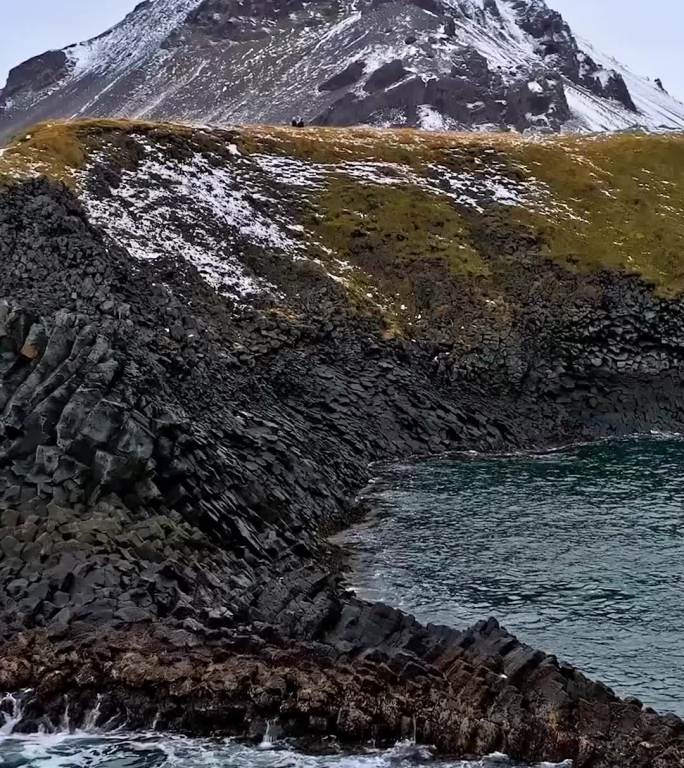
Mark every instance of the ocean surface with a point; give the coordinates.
(579, 552)
(157, 750)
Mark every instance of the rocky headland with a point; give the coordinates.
(207, 336)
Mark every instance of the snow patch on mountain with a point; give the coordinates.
(430, 119)
(498, 38)
(658, 110)
(136, 38)
(436, 64)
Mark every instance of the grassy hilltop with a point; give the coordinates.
(415, 221)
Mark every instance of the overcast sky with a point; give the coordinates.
(647, 36)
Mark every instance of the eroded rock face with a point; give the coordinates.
(170, 463)
(138, 419)
(467, 693)
(36, 74)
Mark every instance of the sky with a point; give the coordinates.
(645, 36)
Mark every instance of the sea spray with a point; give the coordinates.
(157, 750)
(267, 742)
(93, 715)
(66, 720)
(99, 748)
(11, 709)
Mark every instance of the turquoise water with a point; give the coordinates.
(579, 552)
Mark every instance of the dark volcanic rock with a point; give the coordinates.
(171, 462)
(36, 74)
(348, 76)
(448, 688)
(386, 75)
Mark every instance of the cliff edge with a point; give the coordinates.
(206, 336)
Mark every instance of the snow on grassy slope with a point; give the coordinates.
(192, 210)
(210, 212)
(248, 208)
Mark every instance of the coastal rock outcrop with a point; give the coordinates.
(173, 454)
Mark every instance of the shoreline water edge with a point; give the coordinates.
(172, 462)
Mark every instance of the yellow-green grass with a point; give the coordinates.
(615, 202)
(399, 145)
(627, 193)
(60, 148)
(401, 223)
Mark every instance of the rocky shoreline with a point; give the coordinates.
(171, 463)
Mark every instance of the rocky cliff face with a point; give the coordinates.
(206, 336)
(438, 64)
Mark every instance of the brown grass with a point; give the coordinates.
(625, 192)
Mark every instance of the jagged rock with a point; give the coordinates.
(196, 499)
(351, 74)
(386, 75)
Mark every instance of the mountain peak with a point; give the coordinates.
(440, 64)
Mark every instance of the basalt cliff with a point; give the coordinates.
(206, 337)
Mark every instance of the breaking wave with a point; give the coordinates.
(90, 747)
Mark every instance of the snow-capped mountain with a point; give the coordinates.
(456, 64)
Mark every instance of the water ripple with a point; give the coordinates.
(580, 552)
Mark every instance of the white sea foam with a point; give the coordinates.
(71, 748)
(148, 750)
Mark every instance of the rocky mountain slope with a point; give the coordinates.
(205, 338)
(438, 64)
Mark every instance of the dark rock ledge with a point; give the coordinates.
(170, 466)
